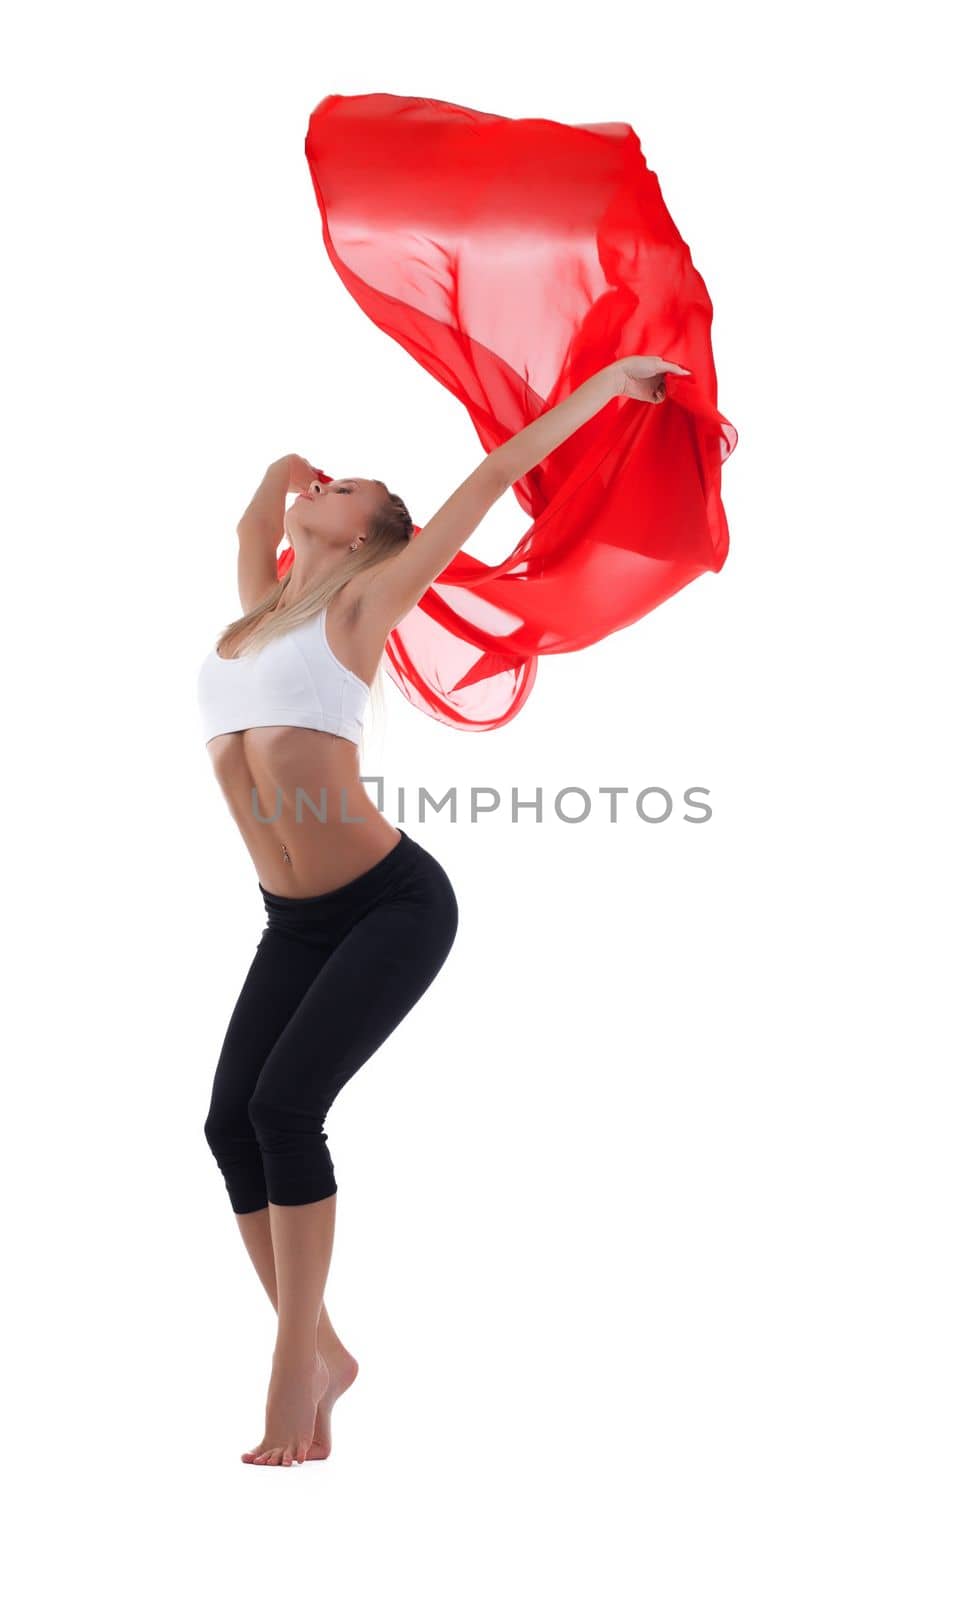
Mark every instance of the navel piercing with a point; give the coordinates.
(285, 854)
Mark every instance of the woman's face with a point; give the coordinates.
(337, 511)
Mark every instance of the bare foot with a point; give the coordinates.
(343, 1370)
(290, 1412)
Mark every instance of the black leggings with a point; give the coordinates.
(332, 976)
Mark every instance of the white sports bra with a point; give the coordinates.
(293, 681)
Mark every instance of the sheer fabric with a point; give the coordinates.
(512, 258)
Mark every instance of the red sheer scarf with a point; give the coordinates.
(513, 258)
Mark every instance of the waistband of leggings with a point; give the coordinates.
(366, 883)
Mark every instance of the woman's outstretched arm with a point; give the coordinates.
(395, 587)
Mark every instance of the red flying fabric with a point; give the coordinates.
(513, 258)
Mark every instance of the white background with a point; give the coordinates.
(644, 1224)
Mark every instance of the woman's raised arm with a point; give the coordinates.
(261, 528)
(396, 586)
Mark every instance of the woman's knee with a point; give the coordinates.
(227, 1120)
(225, 1127)
(276, 1124)
(294, 1150)
(233, 1143)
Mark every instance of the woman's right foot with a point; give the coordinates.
(343, 1370)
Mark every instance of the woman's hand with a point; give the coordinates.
(644, 377)
(301, 473)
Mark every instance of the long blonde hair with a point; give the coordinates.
(388, 529)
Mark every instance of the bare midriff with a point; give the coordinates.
(297, 799)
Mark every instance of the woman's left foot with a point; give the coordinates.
(290, 1412)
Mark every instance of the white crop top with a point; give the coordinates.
(293, 681)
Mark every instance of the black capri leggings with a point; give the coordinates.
(332, 976)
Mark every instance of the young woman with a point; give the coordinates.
(360, 917)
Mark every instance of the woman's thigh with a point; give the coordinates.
(369, 982)
(280, 974)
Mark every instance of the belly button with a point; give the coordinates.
(285, 854)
